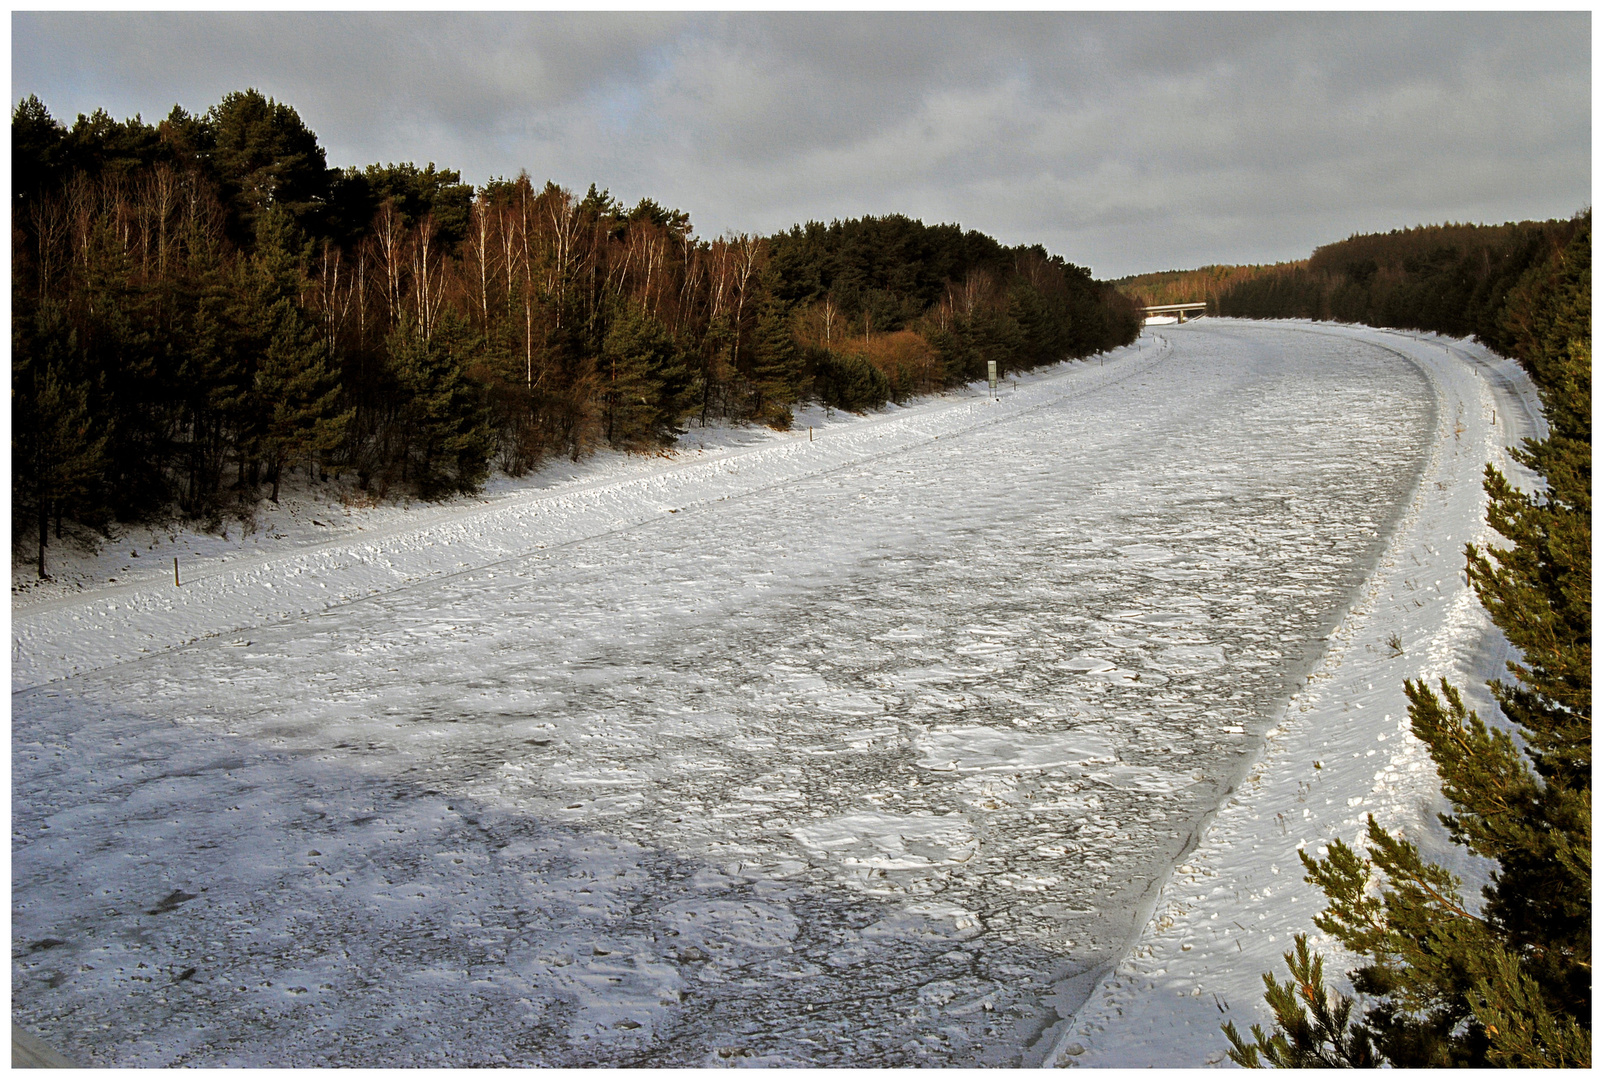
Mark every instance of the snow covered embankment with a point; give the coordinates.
(1341, 751)
(58, 638)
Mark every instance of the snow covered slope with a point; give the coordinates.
(873, 749)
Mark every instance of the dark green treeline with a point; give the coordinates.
(1460, 280)
(202, 305)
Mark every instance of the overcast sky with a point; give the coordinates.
(1124, 142)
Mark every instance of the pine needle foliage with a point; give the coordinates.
(1318, 1037)
(1509, 984)
(775, 364)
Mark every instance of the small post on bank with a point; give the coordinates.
(990, 374)
(176, 582)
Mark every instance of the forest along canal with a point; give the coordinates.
(862, 769)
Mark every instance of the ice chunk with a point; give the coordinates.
(983, 749)
(884, 841)
(1140, 778)
(1085, 663)
(928, 920)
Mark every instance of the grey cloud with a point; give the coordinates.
(1124, 141)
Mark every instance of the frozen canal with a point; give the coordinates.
(878, 764)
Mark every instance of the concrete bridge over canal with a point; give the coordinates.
(1179, 311)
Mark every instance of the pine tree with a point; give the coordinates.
(58, 448)
(1324, 1040)
(848, 382)
(297, 391)
(646, 382)
(775, 363)
(215, 367)
(1510, 984)
(444, 417)
(266, 158)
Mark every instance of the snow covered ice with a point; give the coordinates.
(871, 750)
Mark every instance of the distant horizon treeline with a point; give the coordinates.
(200, 305)
(1202, 285)
(1480, 281)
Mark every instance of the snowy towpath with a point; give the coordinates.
(875, 750)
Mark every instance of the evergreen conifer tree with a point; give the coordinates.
(848, 382)
(214, 369)
(297, 391)
(647, 384)
(445, 415)
(266, 158)
(252, 316)
(58, 449)
(775, 363)
(1321, 1037)
(1510, 984)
